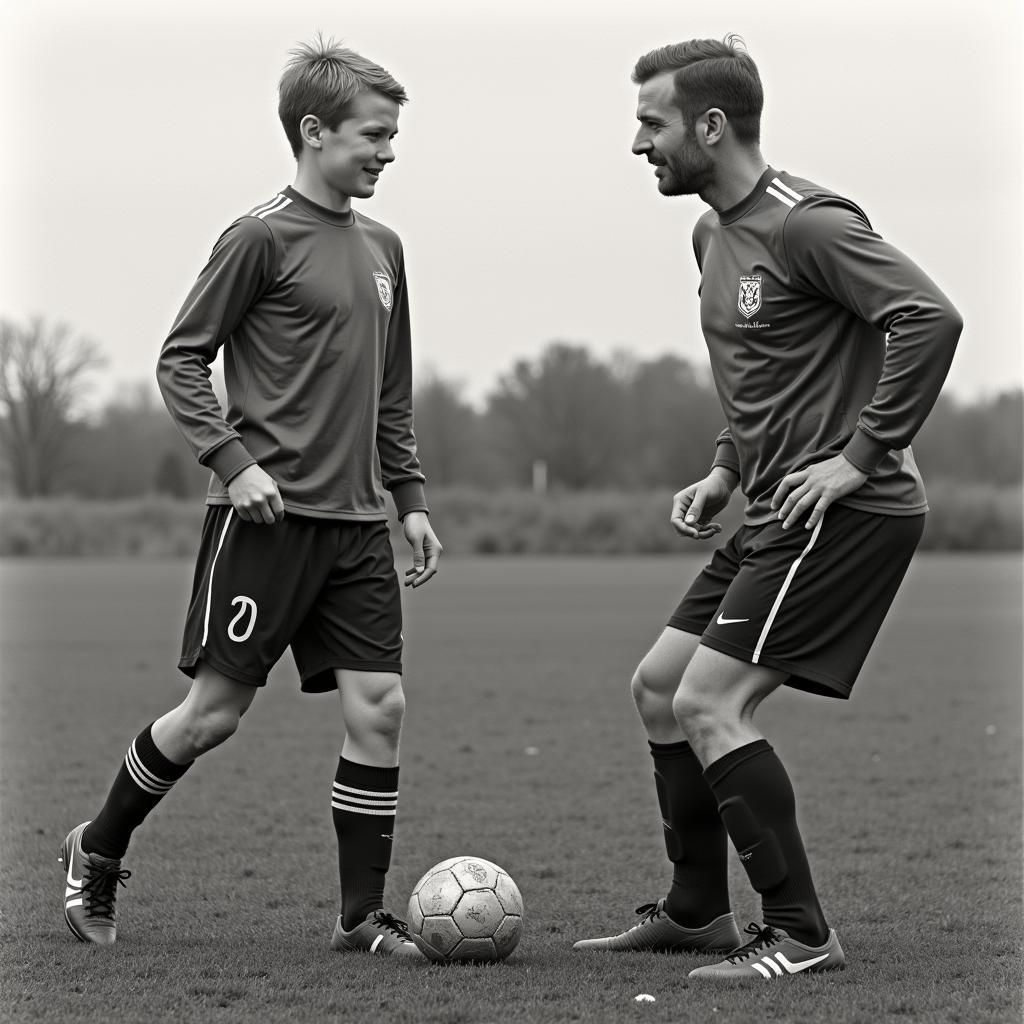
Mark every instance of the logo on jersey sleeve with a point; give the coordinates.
(383, 288)
(750, 295)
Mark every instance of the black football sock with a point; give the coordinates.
(363, 803)
(695, 838)
(756, 801)
(145, 778)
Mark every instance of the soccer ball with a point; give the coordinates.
(466, 908)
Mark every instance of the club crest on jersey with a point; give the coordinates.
(383, 288)
(750, 295)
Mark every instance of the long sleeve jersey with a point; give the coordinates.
(311, 310)
(823, 339)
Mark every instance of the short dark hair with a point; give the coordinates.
(709, 73)
(322, 78)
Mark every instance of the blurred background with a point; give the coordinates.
(563, 391)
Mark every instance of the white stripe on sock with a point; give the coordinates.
(141, 777)
(364, 792)
(352, 809)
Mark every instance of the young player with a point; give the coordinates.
(308, 300)
(828, 348)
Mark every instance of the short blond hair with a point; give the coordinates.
(322, 78)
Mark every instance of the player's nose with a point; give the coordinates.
(641, 146)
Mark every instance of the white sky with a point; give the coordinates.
(135, 132)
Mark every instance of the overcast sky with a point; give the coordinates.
(135, 132)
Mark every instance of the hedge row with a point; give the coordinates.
(964, 517)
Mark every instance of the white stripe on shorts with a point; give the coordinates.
(782, 592)
(209, 589)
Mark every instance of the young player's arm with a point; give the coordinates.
(831, 249)
(396, 442)
(239, 269)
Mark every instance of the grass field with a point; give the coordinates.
(521, 746)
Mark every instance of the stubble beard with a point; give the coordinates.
(690, 172)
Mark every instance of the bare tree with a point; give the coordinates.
(42, 371)
(566, 408)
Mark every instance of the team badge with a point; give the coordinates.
(750, 295)
(384, 288)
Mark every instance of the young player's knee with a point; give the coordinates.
(389, 713)
(211, 727)
(377, 714)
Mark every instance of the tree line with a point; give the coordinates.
(617, 424)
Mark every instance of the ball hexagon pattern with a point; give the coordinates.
(466, 909)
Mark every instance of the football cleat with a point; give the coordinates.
(381, 933)
(773, 954)
(656, 932)
(90, 890)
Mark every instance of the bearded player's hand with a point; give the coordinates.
(694, 506)
(809, 491)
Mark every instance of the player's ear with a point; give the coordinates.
(711, 126)
(310, 129)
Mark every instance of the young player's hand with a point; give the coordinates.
(813, 489)
(426, 548)
(255, 496)
(693, 507)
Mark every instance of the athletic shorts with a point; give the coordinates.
(809, 603)
(325, 587)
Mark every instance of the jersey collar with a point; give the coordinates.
(320, 212)
(745, 205)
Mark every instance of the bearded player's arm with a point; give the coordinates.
(832, 249)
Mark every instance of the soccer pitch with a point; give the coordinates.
(520, 746)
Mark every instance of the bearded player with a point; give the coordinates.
(828, 348)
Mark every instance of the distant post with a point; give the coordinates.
(540, 476)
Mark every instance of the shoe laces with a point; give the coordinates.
(392, 924)
(763, 937)
(648, 912)
(101, 885)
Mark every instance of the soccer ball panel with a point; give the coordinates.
(478, 914)
(415, 915)
(507, 937)
(438, 935)
(438, 894)
(474, 873)
(481, 950)
(508, 894)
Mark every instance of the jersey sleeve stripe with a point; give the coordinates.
(778, 195)
(257, 211)
(783, 187)
(275, 208)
